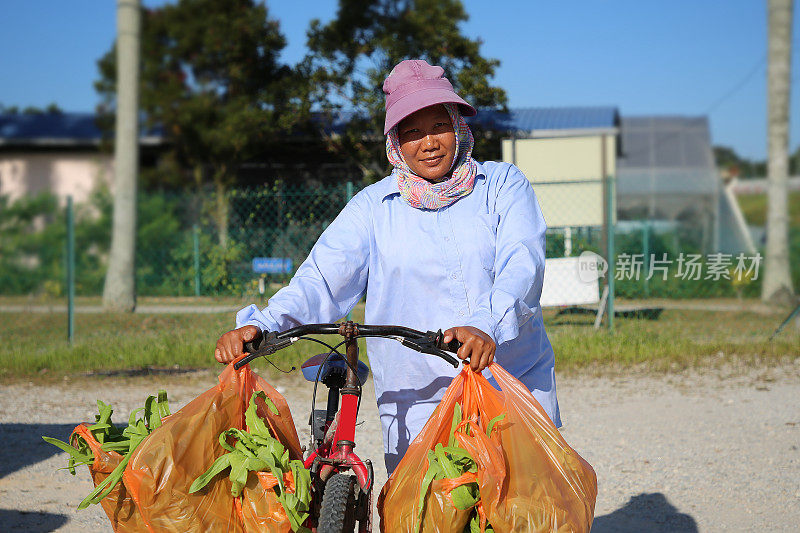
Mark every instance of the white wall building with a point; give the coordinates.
(62, 153)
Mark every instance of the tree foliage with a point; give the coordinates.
(51, 109)
(351, 55)
(32, 251)
(212, 80)
(213, 83)
(727, 159)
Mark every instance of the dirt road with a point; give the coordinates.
(681, 452)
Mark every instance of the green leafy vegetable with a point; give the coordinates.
(450, 462)
(111, 438)
(82, 455)
(256, 450)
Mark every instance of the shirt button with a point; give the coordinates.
(461, 313)
(454, 275)
(447, 239)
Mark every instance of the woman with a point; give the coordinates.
(443, 242)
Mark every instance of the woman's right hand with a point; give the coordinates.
(231, 344)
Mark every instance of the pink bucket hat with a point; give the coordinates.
(414, 84)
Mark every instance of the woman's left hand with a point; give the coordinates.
(477, 345)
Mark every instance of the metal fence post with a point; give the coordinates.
(70, 271)
(196, 239)
(646, 256)
(610, 249)
(349, 191)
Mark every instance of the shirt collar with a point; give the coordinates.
(391, 188)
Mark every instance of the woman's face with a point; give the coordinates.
(428, 142)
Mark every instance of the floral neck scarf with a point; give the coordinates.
(421, 193)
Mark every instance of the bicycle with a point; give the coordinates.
(342, 483)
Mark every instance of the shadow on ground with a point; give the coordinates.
(146, 371)
(645, 512)
(24, 445)
(32, 522)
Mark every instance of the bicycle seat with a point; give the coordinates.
(335, 364)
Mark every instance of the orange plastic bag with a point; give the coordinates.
(118, 505)
(530, 479)
(440, 513)
(259, 508)
(164, 466)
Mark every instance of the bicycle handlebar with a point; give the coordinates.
(430, 342)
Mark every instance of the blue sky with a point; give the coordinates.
(645, 57)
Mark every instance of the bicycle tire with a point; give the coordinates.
(338, 511)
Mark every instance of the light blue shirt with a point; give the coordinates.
(477, 262)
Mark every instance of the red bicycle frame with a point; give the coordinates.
(337, 455)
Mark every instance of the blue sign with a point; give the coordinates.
(272, 265)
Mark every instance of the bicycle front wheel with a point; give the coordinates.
(338, 512)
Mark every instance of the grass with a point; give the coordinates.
(754, 208)
(34, 344)
(93, 301)
(679, 339)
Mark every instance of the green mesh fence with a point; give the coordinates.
(651, 258)
(187, 244)
(211, 251)
(282, 224)
(203, 244)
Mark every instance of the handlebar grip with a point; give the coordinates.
(452, 346)
(255, 344)
(243, 361)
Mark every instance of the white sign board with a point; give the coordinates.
(564, 284)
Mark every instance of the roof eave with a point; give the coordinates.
(55, 142)
(571, 132)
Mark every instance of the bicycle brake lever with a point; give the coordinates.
(428, 346)
(449, 358)
(268, 346)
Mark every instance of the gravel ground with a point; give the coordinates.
(714, 451)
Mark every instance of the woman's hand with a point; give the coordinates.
(477, 345)
(231, 344)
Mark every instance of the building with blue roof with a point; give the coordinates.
(565, 153)
(58, 130)
(62, 153)
(532, 122)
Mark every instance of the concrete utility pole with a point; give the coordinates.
(119, 293)
(777, 286)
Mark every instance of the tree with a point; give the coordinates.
(794, 162)
(51, 109)
(212, 81)
(777, 284)
(350, 57)
(727, 159)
